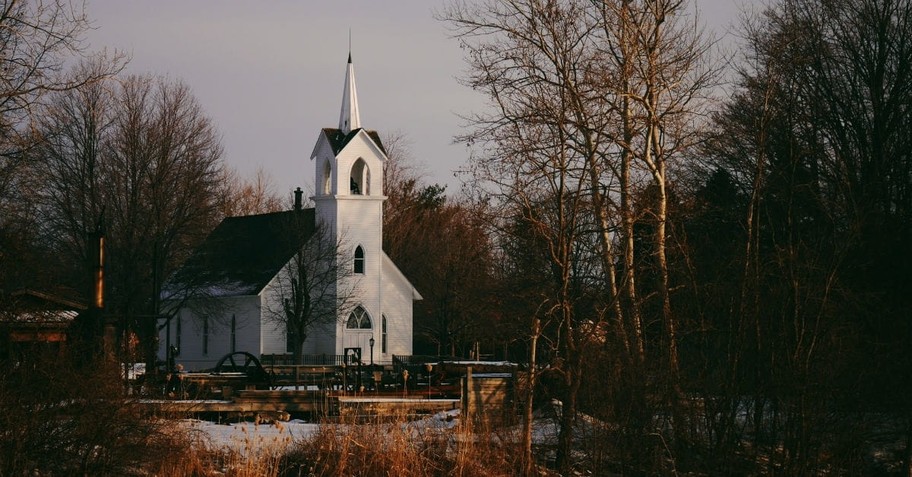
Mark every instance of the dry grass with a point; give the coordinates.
(257, 456)
(400, 447)
(58, 419)
(390, 446)
(250, 455)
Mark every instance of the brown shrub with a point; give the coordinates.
(61, 419)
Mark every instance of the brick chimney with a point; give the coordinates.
(298, 201)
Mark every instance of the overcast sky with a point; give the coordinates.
(270, 73)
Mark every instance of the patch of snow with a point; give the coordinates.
(183, 401)
(443, 420)
(481, 363)
(134, 370)
(250, 435)
(217, 290)
(302, 387)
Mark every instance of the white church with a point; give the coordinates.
(236, 270)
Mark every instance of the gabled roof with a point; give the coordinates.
(338, 139)
(397, 273)
(243, 254)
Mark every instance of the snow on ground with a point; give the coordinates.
(250, 435)
(249, 438)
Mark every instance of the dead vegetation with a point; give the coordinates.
(402, 447)
(59, 419)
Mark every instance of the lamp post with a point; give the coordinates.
(372, 350)
(430, 368)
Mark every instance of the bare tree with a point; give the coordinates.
(37, 40)
(317, 287)
(816, 139)
(588, 100)
(523, 57)
(68, 165)
(141, 150)
(248, 196)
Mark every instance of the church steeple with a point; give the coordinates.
(349, 118)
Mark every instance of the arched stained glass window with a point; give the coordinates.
(358, 320)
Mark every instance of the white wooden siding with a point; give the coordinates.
(219, 311)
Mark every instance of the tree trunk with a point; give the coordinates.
(572, 377)
(636, 320)
(662, 261)
(527, 460)
(297, 352)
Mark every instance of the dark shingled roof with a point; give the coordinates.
(338, 139)
(243, 254)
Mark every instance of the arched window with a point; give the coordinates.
(360, 178)
(359, 260)
(383, 336)
(327, 178)
(358, 320)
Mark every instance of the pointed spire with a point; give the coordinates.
(349, 118)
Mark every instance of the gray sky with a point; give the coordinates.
(270, 73)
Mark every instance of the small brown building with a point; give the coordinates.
(35, 322)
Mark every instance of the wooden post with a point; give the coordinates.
(468, 395)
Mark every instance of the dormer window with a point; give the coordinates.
(359, 260)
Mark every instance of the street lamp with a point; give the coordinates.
(430, 368)
(372, 350)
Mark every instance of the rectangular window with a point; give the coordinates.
(233, 333)
(205, 336)
(383, 337)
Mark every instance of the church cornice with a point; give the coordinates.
(318, 198)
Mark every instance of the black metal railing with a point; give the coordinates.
(286, 359)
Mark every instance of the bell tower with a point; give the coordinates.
(348, 171)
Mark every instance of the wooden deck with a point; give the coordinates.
(307, 402)
(325, 391)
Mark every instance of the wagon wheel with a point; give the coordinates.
(244, 362)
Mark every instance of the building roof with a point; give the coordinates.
(34, 306)
(242, 254)
(338, 139)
